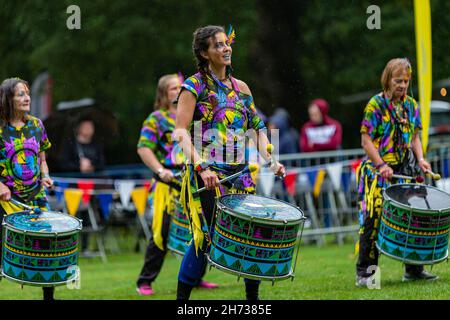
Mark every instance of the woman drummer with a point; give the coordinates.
(23, 142)
(390, 138)
(157, 151)
(218, 110)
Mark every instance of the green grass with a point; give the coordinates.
(322, 273)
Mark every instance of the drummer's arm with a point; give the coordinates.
(185, 114)
(374, 156)
(416, 146)
(45, 176)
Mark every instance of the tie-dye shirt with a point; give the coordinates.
(20, 164)
(223, 117)
(382, 123)
(156, 134)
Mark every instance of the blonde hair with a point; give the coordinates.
(392, 66)
(161, 100)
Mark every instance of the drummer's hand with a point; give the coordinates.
(278, 169)
(5, 193)
(386, 171)
(210, 179)
(47, 182)
(166, 175)
(424, 165)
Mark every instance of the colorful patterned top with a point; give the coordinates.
(222, 117)
(20, 164)
(383, 123)
(156, 134)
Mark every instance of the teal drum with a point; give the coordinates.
(255, 237)
(40, 249)
(415, 224)
(179, 232)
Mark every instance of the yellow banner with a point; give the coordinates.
(423, 49)
(72, 198)
(139, 197)
(318, 183)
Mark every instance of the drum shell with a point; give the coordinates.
(252, 247)
(179, 232)
(39, 258)
(413, 235)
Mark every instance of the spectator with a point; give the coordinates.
(85, 155)
(288, 136)
(321, 132)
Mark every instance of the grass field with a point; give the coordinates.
(322, 273)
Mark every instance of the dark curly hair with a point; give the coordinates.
(201, 44)
(7, 92)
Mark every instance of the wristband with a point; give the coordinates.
(378, 167)
(201, 165)
(159, 171)
(421, 159)
(45, 175)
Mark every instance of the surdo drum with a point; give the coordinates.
(255, 237)
(415, 224)
(40, 248)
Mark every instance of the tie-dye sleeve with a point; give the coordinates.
(417, 120)
(371, 119)
(149, 133)
(45, 142)
(254, 118)
(194, 85)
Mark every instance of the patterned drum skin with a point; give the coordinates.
(415, 224)
(255, 236)
(40, 249)
(179, 233)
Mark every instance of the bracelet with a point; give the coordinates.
(381, 165)
(45, 175)
(159, 171)
(201, 165)
(421, 159)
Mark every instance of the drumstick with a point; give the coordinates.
(251, 168)
(418, 179)
(23, 205)
(435, 176)
(269, 148)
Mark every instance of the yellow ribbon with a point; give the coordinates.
(10, 207)
(192, 209)
(162, 202)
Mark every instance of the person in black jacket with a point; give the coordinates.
(83, 153)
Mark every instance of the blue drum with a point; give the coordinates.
(179, 232)
(255, 237)
(415, 224)
(40, 249)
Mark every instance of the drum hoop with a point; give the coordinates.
(39, 284)
(13, 228)
(233, 212)
(404, 206)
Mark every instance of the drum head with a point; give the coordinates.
(260, 207)
(44, 222)
(418, 196)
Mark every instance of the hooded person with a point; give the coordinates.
(321, 132)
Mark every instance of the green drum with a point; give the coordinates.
(179, 232)
(255, 237)
(415, 224)
(40, 248)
